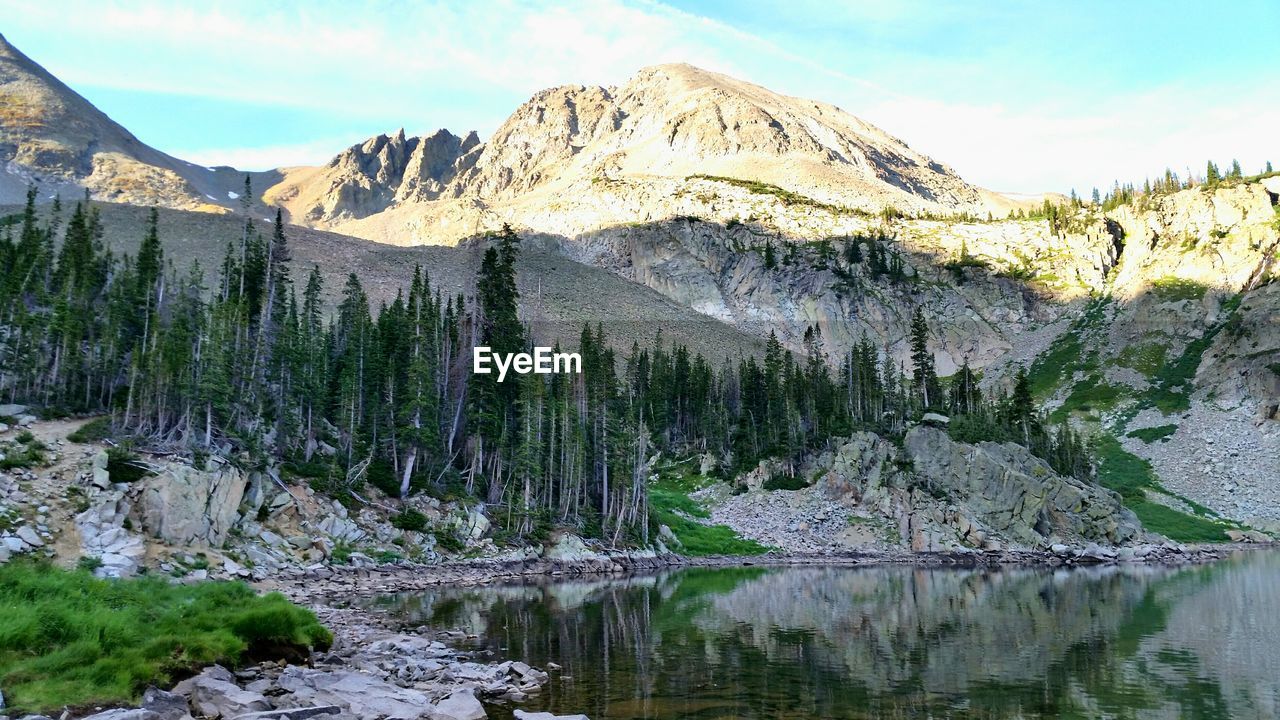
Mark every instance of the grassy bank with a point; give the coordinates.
(67, 638)
(1136, 481)
(670, 505)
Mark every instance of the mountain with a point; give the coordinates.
(52, 136)
(723, 213)
(574, 148)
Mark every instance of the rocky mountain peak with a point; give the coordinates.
(52, 136)
(665, 124)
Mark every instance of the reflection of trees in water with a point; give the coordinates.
(875, 642)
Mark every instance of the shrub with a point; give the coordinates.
(95, 430)
(89, 563)
(447, 539)
(1152, 434)
(67, 638)
(124, 467)
(18, 456)
(409, 519)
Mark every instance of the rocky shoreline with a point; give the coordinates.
(320, 586)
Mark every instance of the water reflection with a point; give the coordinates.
(893, 642)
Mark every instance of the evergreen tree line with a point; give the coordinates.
(254, 367)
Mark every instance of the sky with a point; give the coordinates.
(1016, 96)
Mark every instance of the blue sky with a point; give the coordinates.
(1017, 96)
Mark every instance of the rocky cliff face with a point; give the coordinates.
(368, 178)
(933, 494)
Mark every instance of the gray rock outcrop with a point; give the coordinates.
(183, 505)
(1015, 494)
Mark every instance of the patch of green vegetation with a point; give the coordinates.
(1066, 354)
(67, 638)
(1146, 358)
(1172, 382)
(1089, 395)
(671, 505)
(1172, 289)
(1152, 434)
(787, 197)
(341, 553)
(1024, 272)
(22, 455)
(409, 519)
(125, 467)
(1133, 477)
(447, 539)
(95, 430)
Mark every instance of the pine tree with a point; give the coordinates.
(1211, 175)
(924, 377)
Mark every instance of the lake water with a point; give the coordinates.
(891, 642)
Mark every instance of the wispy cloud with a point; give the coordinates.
(467, 65)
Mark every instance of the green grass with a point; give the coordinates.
(25, 453)
(1066, 353)
(1152, 434)
(787, 197)
(1172, 382)
(67, 638)
(95, 430)
(1091, 394)
(1133, 477)
(1172, 289)
(669, 497)
(1146, 358)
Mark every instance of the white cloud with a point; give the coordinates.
(267, 157)
(1060, 148)
(467, 65)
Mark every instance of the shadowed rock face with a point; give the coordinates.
(1017, 495)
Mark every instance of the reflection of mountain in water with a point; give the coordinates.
(1125, 642)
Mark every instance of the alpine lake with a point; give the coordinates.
(1126, 641)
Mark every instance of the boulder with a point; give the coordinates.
(28, 535)
(1016, 494)
(364, 696)
(461, 705)
(213, 672)
(569, 547)
(13, 410)
(475, 525)
(224, 699)
(185, 506)
(165, 705)
(935, 419)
